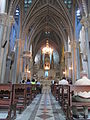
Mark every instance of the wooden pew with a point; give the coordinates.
(78, 105)
(63, 94)
(34, 92)
(19, 96)
(54, 90)
(60, 94)
(6, 100)
(28, 93)
(39, 89)
(65, 98)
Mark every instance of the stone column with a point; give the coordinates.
(21, 61)
(7, 72)
(78, 59)
(52, 62)
(14, 65)
(31, 67)
(73, 56)
(41, 61)
(67, 62)
(19, 47)
(3, 18)
(86, 22)
(6, 23)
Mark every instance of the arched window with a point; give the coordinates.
(16, 15)
(78, 15)
(68, 4)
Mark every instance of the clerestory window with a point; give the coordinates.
(27, 4)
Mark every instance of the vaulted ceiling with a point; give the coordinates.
(48, 19)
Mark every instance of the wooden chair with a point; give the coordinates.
(6, 100)
(19, 96)
(78, 105)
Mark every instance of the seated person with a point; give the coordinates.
(38, 83)
(33, 82)
(28, 81)
(63, 81)
(39, 87)
(23, 82)
(55, 83)
(69, 80)
(81, 97)
(52, 82)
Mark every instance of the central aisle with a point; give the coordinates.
(44, 107)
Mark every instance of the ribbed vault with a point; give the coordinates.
(48, 16)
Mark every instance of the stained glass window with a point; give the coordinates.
(68, 4)
(16, 15)
(27, 4)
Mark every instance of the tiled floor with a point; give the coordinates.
(44, 107)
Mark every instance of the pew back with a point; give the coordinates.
(19, 96)
(6, 99)
(74, 89)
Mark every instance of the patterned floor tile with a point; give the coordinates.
(44, 116)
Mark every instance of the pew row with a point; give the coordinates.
(6, 98)
(65, 95)
(16, 97)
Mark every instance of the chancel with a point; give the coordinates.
(44, 59)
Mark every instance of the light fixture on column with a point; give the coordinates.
(64, 72)
(70, 68)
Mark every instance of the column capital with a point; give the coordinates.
(10, 20)
(86, 21)
(3, 18)
(75, 44)
(67, 54)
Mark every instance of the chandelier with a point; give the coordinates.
(47, 49)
